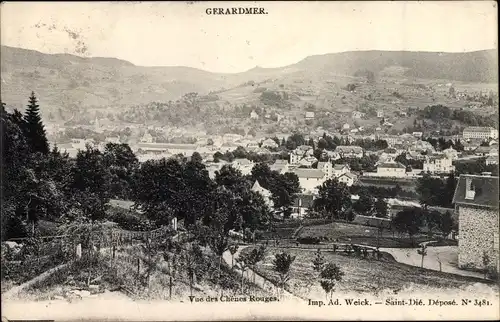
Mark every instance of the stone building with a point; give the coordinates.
(476, 203)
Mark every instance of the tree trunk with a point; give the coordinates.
(170, 288)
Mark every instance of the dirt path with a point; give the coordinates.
(448, 255)
(259, 280)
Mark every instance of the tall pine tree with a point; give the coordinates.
(34, 129)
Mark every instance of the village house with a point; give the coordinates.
(147, 138)
(357, 114)
(227, 147)
(438, 163)
(269, 143)
(479, 132)
(380, 114)
(231, 137)
(391, 169)
(331, 155)
(349, 151)
(417, 134)
(346, 126)
(310, 179)
(302, 205)
(348, 178)
(340, 169)
(307, 161)
(281, 166)
(476, 204)
(243, 165)
(112, 139)
(484, 151)
(254, 115)
(414, 155)
(326, 167)
(301, 152)
(309, 115)
(470, 146)
(451, 153)
(423, 146)
(491, 160)
(259, 151)
(167, 148)
(266, 194)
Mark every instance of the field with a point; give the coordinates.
(364, 276)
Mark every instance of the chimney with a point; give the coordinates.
(469, 189)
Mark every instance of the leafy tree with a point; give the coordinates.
(318, 261)
(429, 190)
(255, 256)
(409, 221)
(446, 224)
(281, 265)
(284, 188)
(380, 208)
(432, 219)
(122, 164)
(329, 276)
(34, 129)
(333, 198)
(196, 157)
(364, 204)
(422, 252)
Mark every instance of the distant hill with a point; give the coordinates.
(64, 81)
(478, 66)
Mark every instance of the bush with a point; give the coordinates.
(309, 240)
(129, 221)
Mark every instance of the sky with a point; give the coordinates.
(182, 34)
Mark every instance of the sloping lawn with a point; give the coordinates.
(361, 275)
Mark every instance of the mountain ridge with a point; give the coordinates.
(67, 81)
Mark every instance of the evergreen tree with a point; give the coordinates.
(34, 129)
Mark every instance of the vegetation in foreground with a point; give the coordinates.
(359, 275)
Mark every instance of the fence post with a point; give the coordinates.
(114, 251)
(138, 266)
(78, 251)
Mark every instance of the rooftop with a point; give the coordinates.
(309, 173)
(486, 191)
(339, 166)
(392, 165)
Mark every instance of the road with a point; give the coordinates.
(446, 254)
(259, 280)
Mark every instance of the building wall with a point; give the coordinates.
(308, 184)
(391, 172)
(476, 233)
(348, 181)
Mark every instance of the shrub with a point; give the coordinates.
(129, 221)
(309, 240)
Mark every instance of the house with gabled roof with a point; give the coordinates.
(476, 204)
(310, 179)
(391, 169)
(266, 194)
(349, 151)
(281, 166)
(326, 167)
(243, 165)
(340, 169)
(348, 178)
